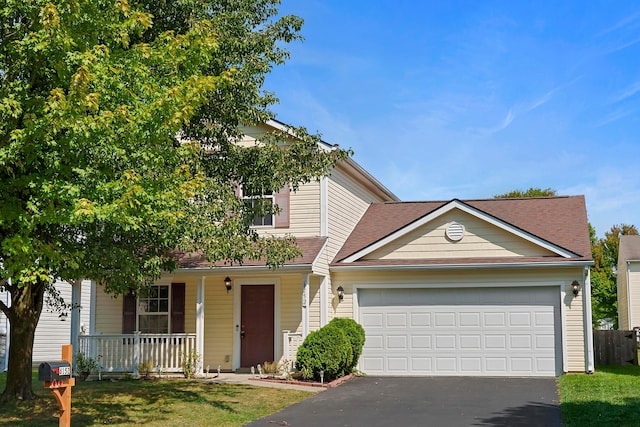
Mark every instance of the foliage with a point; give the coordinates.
(531, 192)
(609, 397)
(356, 336)
(328, 349)
(270, 368)
(117, 128)
(604, 299)
(85, 365)
(190, 364)
(159, 403)
(145, 369)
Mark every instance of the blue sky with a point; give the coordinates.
(468, 99)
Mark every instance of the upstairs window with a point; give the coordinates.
(260, 201)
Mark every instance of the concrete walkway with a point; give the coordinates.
(233, 378)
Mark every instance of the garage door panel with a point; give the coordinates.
(397, 342)
(453, 339)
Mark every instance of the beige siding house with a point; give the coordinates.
(628, 283)
(481, 287)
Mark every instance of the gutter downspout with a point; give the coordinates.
(7, 331)
(588, 321)
(628, 284)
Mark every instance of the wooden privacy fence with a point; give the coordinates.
(615, 347)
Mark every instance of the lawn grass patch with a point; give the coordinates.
(611, 396)
(153, 403)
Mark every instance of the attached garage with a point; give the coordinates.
(501, 331)
(496, 287)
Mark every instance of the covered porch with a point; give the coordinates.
(230, 317)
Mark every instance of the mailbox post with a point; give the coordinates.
(57, 377)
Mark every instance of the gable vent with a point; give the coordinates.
(455, 231)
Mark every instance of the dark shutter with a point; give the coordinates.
(177, 308)
(129, 303)
(281, 199)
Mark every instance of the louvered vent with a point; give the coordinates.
(455, 231)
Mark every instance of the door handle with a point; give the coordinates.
(242, 332)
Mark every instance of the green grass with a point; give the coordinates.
(152, 403)
(609, 397)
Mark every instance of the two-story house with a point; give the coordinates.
(482, 287)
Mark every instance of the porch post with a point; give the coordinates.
(76, 295)
(305, 306)
(200, 324)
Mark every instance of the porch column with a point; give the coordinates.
(200, 324)
(305, 306)
(76, 297)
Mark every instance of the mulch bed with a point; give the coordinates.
(331, 384)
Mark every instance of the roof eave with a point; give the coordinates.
(462, 266)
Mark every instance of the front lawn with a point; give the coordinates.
(152, 403)
(609, 397)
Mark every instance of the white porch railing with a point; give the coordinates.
(124, 352)
(291, 341)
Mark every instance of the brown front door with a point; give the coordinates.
(256, 323)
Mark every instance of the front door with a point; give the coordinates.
(256, 323)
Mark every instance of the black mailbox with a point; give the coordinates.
(54, 371)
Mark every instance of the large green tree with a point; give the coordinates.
(530, 192)
(117, 123)
(604, 298)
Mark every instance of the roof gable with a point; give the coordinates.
(553, 227)
(479, 239)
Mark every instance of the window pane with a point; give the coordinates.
(150, 324)
(164, 291)
(164, 306)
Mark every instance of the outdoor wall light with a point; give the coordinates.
(340, 290)
(227, 283)
(576, 288)
(62, 317)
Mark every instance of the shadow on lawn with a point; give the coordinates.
(531, 414)
(596, 413)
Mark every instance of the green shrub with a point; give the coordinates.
(326, 349)
(355, 334)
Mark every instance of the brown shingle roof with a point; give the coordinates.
(629, 248)
(561, 221)
(310, 247)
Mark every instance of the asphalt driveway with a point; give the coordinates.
(427, 401)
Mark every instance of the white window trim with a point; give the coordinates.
(262, 196)
(167, 313)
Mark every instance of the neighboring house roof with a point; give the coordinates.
(557, 223)
(629, 249)
(310, 247)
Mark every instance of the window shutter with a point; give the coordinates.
(282, 198)
(177, 308)
(129, 303)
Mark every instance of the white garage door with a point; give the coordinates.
(461, 331)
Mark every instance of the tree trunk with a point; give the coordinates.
(24, 313)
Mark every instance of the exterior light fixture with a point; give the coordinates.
(340, 290)
(62, 317)
(575, 286)
(227, 283)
